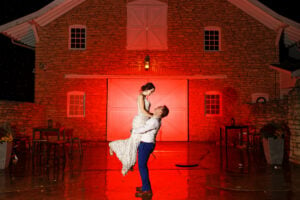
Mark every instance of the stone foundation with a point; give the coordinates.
(294, 123)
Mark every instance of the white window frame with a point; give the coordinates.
(77, 26)
(220, 103)
(212, 28)
(75, 93)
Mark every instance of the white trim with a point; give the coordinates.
(57, 11)
(78, 93)
(278, 36)
(146, 2)
(189, 77)
(280, 30)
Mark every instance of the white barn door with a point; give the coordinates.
(122, 107)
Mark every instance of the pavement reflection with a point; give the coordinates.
(178, 170)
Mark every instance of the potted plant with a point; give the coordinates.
(6, 138)
(273, 141)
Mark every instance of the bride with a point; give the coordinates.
(126, 150)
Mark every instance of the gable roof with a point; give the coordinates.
(23, 29)
(270, 19)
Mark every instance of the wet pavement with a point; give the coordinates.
(178, 170)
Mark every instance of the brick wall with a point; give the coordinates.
(273, 110)
(248, 47)
(22, 115)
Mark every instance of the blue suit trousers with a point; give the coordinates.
(144, 151)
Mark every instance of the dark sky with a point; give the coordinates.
(17, 63)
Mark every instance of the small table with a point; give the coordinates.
(234, 127)
(241, 128)
(42, 131)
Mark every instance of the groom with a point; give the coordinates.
(146, 147)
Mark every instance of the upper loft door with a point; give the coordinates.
(147, 25)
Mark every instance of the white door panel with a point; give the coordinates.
(122, 107)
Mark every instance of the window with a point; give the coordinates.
(212, 39)
(212, 103)
(76, 104)
(147, 25)
(77, 38)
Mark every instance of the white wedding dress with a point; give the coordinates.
(126, 150)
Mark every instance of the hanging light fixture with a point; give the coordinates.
(147, 62)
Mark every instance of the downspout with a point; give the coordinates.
(280, 30)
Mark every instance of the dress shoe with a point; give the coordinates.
(144, 194)
(131, 169)
(138, 189)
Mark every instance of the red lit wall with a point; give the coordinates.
(22, 116)
(122, 107)
(247, 49)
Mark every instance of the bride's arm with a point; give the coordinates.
(150, 125)
(142, 106)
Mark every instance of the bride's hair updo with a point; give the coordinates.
(147, 86)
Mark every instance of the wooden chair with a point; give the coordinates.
(38, 147)
(255, 138)
(56, 145)
(73, 140)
